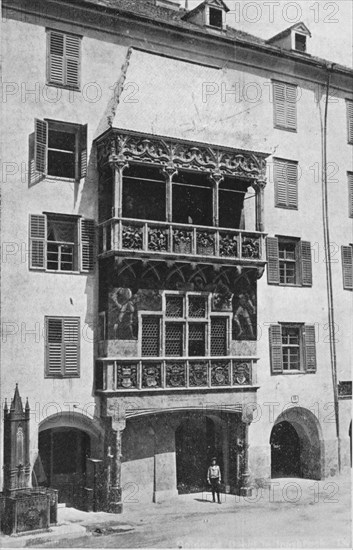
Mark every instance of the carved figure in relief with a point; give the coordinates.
(242, 316)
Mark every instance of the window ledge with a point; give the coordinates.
(63, 86)
(292, 130)
(63, 377)
(61, 178)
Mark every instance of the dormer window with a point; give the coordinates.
(300, 42)
(216, 18)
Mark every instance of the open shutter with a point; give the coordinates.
(272, 260)
(350, 120)
(310, 348)
(71, 337)
(37, 241)
(72, 60)
(41, 145)
(275, 334)
(56, 58)
(306, 265)
(55, 350)
(280, 179)
(292, 184)
(347, 267)
(279, 104)
(350, 193)
(87, 231)
(83, 152)
(291, 107)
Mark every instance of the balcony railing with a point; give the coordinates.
(171, 239)
(174, 374)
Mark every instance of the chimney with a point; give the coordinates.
(171, 4)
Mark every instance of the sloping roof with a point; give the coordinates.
(297, 26)
(182, 100)
(147, 9)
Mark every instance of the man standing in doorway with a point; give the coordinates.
(214, 479)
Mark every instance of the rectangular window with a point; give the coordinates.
(284, 106)
(63, 60)
(61, 243)
(216, 18)
(300, 42)
(350, 120)
(186, 328)
(62, 347)
(60, 149)
(288, 261)
(350, 194)
(347, 267)
(286, 183)
(292, 348)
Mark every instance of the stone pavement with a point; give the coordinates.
(285, 513)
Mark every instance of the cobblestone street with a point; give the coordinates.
(292, 513)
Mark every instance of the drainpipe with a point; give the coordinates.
(331, 316)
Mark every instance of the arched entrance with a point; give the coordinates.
(285, 451)
(197, 440)
(297, 445)
(63, 453)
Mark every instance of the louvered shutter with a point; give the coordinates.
(87, 237)
(71, 339)
(285, 105)
(350, 121)
(310, 348)
(275, 335)
(306, 265)
(291, 107)
(279, 169)
(55, 350)
(347, 267)
(56, 68)
(292, 184)
(72, 60)
(83, 152)
(37, 241)
(279, 100)
(40, 145)
(350, 193)
(272, 260)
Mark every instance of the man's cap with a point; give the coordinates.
(214, 458)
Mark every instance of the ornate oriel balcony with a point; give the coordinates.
(166, 374)
(161, 239)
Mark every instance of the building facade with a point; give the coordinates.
(167, 294)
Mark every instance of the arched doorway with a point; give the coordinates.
(197, 440)
(63, 454)
(285, 451)
(297, 447)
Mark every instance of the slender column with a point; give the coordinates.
(216, 178)
(169, 172)
(259, 186)
(245, 489)
(118, 163)
(115, 504)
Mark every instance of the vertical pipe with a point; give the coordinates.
(326, 228)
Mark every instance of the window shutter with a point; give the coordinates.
(310, 348)
(150, 336)
(83, 152)
(350, 120)
(306, 266)
(347, 267)
(275, 334)
(272, 260)
(41, 145)
(87, 231)
(37, 241)
(71, 338)
(292, 184)
(218, 336)
(279, 169)
(54, 337)
(291, 107)
(56, 58)
(350, 193)
(72, 60)
(279, 99)
(285, 105)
